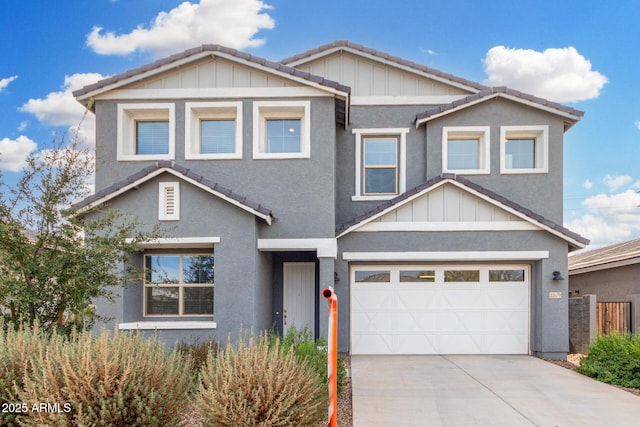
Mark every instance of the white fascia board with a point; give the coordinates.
(378, 59)
(160, 171)
(167, 325)
(391, 208)
(519, 214)
(143, 75)
(405, 100)
(208, 189)
(447, 256)
(604, 266)
(214, 93)
(120, 191)
(501, 95)
(178, 242)
(326, 248)
(449, 226)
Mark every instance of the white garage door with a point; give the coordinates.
(440, 309)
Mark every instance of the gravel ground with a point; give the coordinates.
(573, 361)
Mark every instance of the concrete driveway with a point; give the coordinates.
(482, 391)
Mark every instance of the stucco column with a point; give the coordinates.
(327, 265)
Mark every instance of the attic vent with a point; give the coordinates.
(169, 201)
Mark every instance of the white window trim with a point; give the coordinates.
(167, 325)
(262, 110)
(128, 114)
(402, 161)
(181, 285)
(541, 135)
(484, 155)
(162, 201)
(197, 111)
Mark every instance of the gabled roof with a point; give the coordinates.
(84, 94)
(575, 240)
(345, 45)
(167, 166)
(571, 115)
(612, 256)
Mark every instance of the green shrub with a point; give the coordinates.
(252, 384)
(314, 352)
(614, 359)
(115, 380)
(195, 352)
(17, 348)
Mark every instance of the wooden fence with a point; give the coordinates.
(614, 316)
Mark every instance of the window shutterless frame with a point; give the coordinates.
(461, 138)
(174, 280)
(218, 121)
(127, 129)
(268, 116)
(539, 135)
(380, 165)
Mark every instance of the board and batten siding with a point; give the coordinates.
(368, 78)
(212, 73)
(448, 203)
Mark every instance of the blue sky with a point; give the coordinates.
(582, 53)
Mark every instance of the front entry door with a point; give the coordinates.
(299, 283)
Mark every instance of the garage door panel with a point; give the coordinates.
(373, 343)
(437, 317)
(374, 322)
(460, 299)
(416, 298)
(460, 344)
(505, 297)
(415, 344)
(372, 297)
(461, 321)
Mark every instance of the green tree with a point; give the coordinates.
(53, 263)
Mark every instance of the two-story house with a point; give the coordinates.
(432, 204)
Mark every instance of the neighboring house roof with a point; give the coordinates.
(161, 167)
(617, 255)
(575, 240)
(179, 59)
(570, 114)
(345, 45)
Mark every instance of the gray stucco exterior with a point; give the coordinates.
(310, 198)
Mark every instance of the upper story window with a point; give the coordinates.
(146, 132)
(213, 130)
(380, 163)
(524, 149)
(465, 149)
(281, 129)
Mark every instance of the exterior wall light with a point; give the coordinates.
(557, 276)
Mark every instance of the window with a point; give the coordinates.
(524, 149)
(380, 166)
(417, 276)
(375, 276)
(145, 132)
(169, 201)
(465, 150)
(506, 275)
(281, 130)
(213, 130)
(462, 275)
(380, 163)
(178, 285)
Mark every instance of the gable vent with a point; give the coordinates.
(169, 201)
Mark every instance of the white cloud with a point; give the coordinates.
(61, 108)
(14, 152)
(561, 74)
(428, 51)
(5, 82)
(637, 124)
(616, 182)
(232, 23)
(22, 126)
(587, 185)
(610, 218)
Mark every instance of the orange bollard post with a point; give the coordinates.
(332, 355)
